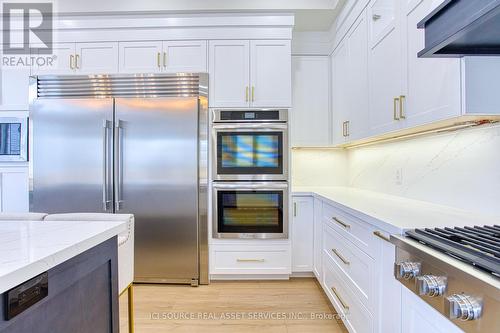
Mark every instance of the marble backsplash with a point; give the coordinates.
(459, 169)
(319, 167)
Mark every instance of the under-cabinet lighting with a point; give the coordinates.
(451, 128)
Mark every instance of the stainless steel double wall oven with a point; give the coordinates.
(250, 173)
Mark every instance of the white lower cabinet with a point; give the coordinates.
(354, 262)
(14, 187)
(231, 261)
(318, 239)
(418, 316)
(302, 234)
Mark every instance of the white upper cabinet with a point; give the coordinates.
(431, 86)
(229, 73)
(270, 73)
(14, 84)
(385, 64)
(350, 84)
(250, 74)
(357, 42)
(14, 186)
(96, 58)
(185, 56)
(140, 57)
(302, 234)
(310, 117)
(62, 63)
(81, 58)
(340, 73)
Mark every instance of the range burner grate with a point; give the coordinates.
(479, 246)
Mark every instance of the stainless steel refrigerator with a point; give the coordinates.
(128, 144)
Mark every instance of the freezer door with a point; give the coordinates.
(71, 155)
(156, 179)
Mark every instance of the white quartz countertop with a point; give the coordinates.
(392, 213)
(29, 248)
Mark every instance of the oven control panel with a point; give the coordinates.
(25, 295)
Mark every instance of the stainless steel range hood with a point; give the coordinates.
(460, 28)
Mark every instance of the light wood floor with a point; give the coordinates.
(159, 308)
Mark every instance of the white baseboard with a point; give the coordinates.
(302, 275)
(236, 277)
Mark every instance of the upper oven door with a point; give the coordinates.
(13, 139)
(250, 151)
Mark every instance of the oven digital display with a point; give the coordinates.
(249, 115)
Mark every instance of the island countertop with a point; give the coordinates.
(29, 248)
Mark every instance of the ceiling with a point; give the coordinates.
(310, 15)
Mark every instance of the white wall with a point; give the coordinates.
(459, 169)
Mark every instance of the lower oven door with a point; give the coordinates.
(250, 210)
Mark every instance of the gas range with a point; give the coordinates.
(456, 271)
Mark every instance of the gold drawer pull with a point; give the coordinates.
(396, 116)
(345, 225)
(344, 304)
(250, 260)
(341, 257)
(381, 236)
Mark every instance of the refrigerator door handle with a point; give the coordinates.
(118, 164)
(106, 124)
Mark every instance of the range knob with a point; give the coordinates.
(407, 270)
(463, 307)
(431, 285)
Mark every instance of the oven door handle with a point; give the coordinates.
(250, 126)
(253, 186)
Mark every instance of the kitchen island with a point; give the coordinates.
(59, 276)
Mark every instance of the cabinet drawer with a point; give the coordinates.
(354, 315)
(251, 261)
(356, 267)
(355, 230)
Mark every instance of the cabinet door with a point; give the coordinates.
(385, 64)
(388, 289)
(357, 84)
(318, 239)
(302, 234)
(340, 74)
(14, 190)
(14, 82)
(140, 57)
(418, 316)
(63, 61)
(229, 73)
(431, 85)
(270, 73)
(310, 118)
(185, 56)
(97, 58)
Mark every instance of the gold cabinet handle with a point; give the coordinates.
(246, 94)
(77, 57)
(71, 60)
(345, 225)
(344, 131)
(347, 131)
(341, 257)
(165, 59)
(294, 209)
(158, 55)
(250, 260)
(253, 94)
(396, 116)
(344, 304)
(381, 236)
(402, 114)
